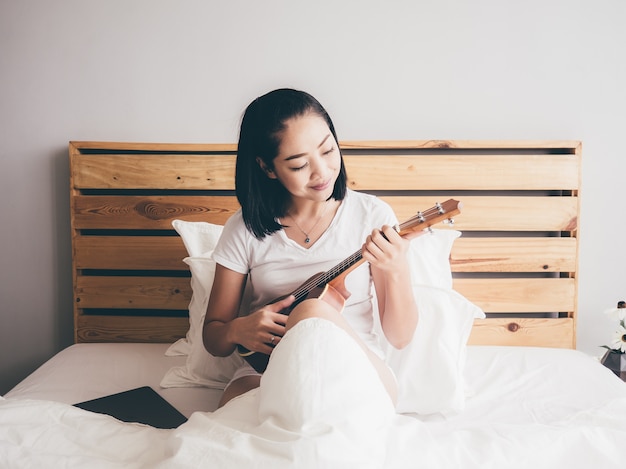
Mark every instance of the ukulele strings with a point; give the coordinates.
(422, 217)
(327, 276)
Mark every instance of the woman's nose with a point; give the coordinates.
(318, 166)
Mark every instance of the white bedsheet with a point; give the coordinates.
(87, 371)
(528, 408)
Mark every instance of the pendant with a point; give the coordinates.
(307, 240)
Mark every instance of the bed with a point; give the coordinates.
(495, 380)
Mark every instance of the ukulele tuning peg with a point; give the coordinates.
(449, 221)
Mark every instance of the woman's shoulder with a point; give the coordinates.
(368, 202)
(234, 223)
(234, 228)
(361, 197)
(236, 219)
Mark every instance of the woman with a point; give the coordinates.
(298, 218)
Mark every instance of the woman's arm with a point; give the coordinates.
(223, 329)
(387, 256)
(222, 310)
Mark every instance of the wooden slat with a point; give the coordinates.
(129, 252)
(498, 213)
(477, 213)
(463, 172)
(133, 292)
(129, 329)
(149, 212)
(175, 293)
(468, 254)
(539, 332)
(519, 295)
(209, 172)
(391, 172)
(514, 255)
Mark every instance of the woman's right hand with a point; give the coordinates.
(261, 330)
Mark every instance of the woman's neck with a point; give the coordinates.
(306, 223)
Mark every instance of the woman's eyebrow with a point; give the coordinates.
(298, 155)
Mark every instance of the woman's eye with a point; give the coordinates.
(300, 167)
(328, 152)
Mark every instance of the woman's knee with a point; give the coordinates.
(311, 308)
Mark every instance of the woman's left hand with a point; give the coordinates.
(385, 249)
(387, 253)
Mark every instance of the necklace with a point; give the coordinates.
(307, 238)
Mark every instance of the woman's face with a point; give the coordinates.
(308, 160)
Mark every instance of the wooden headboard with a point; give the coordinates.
(517, 258)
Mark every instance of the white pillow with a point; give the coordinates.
(430, 369)
(429, 256)
(201, 368)
(199, 239)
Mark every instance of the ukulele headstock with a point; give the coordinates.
(439, 213)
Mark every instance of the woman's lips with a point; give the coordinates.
(322, 186)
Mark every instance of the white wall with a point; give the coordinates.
(182, 71)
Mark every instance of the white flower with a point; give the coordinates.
(616, 313)
(619, 339)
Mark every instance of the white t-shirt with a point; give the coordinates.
(276, 265)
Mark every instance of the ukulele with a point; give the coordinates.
(330, 286)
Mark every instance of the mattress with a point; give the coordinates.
(83, 372)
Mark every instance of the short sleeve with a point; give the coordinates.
(232, 248)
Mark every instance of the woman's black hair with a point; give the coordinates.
(264, 200)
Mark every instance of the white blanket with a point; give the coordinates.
(321, 405)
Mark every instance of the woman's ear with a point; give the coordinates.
(266, 169)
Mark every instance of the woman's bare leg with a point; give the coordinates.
(239, 387)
